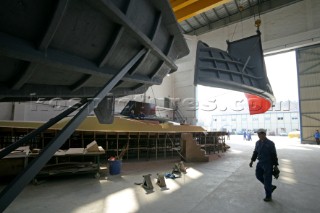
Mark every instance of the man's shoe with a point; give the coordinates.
(273, 188)
(267, 199)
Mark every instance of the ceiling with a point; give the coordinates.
(197, 17)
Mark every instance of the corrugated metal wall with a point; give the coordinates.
(308, 64)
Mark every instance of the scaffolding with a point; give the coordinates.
(140, 145)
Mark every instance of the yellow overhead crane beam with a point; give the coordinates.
(185, 9)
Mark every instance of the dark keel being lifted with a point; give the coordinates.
(71, 48)
(83, 49)
(241, 68)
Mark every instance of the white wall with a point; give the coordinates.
(6, 112)
(184, 90)
(42, 111)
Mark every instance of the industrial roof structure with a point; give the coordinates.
(197, 17)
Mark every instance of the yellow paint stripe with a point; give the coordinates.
(197, 8)
(179, 4)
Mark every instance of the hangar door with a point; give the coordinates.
(308, 65)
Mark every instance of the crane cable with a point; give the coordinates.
(240, 8)
(257, 22)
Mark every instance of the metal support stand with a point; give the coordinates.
(161, 181)
(147, 183)
(16, 186)
(176, 170)
(182, 167)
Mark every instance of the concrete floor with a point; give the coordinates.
(225, 184)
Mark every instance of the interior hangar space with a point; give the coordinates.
(99, 104)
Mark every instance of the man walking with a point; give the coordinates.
(266, 153)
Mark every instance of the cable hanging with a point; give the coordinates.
(240, 8)
(257, 22)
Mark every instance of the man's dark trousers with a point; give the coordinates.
(264, 175)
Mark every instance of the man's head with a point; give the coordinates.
(262, 133)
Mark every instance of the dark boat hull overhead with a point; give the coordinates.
(242, 68)
(72, 48)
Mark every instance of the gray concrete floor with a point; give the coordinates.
(225, 184)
